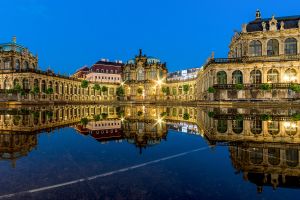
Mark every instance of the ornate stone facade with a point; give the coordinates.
(262, 63)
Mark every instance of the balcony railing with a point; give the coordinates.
(246, 59)
(253, 86)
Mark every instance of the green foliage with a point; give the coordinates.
(296, 117)
(120, 91)
(186, 116)
(211, 114)
(174, 91)
(49, 90)
(104, 115)
(265, 117)
(22, 92)
(163, 114)
(84, 121)
(104, 89)
(140, 91)
(211, 90)
(10, 91)
(18, 87)
(35, 114)
(265, 86)
(165, 90)
(186, 88)
(97, 117)
(239, 86)
(35, 90)
(140, 113)
(96, 87)
(295, 87)
(84, 84)
(49, 113)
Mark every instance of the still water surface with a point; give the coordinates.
(149, 152)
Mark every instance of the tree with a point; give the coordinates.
(120, 91)
(186, 88)
(165, 90)
(97, 117)
(84, 121)
(265, 86)
(211, 90)
(104, 115)
(84, 84)
(140, 91)
(17, 88)
(35, 90)
(186, 116)
(96, 87)
(104, 89)
(49, 90)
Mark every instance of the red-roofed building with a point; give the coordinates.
(102, 71)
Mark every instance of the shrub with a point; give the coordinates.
(211, 114)
(186, 88)
(96, 87)
(163, 114)
(211, 90)
(104, 89)
(139, 90)
(84, 84)
(120, 91)
(295, 87)
(49, 91)
(296, 117)
(265, 117)
(97, 117)
(140, 113)
(84, 121)
(104, 115)
(239, 86)
(265, 86)
(186, 116)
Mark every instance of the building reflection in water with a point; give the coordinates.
(263, 144)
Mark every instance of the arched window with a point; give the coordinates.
(273, 127)
(25, 84)
(127, 75)
(26, 65)
(290, 75)
(153, 74)
(272, 76)
(237, 126)
(255, 76)
(43, 86)
(237, 77)
(256, 127)
(140, 74)
(17, 66)
(256, 156)
(255, 48)
(7, 64)
(292, 157)
(273, 47)
(274, 156)
(56, 88)
(16, 82)
(290, 46)
(222, 77)
(290, 127)
(222, 126)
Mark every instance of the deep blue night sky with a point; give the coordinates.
(71, 33)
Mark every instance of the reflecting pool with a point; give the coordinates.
(149, 152)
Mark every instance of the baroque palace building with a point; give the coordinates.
(262, 63)
(21, 80)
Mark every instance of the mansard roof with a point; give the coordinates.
(289, 23)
